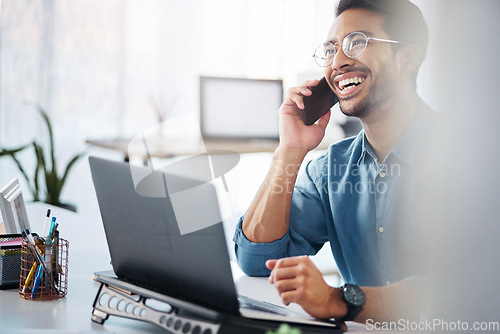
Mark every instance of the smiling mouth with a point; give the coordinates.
(345, 84)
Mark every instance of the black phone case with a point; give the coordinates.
(319, 102)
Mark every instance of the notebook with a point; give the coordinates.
(148, 249)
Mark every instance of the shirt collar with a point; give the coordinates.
(365, 148)
(414, 137)
(410, 144)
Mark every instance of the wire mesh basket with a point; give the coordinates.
(46, 279)
(10, 261)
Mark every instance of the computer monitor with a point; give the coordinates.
(238, 108)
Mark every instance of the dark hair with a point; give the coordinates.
(403, 21)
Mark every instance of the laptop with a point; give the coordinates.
(148, 249)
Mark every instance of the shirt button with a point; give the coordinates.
(381, 229)
(387, 282)
(382, 174)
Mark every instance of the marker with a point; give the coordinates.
(46, 224)
(52, 227)
(52, 235)
(49, 243)
(48, 255)
(55, 257)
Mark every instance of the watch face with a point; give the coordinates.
(354, 295)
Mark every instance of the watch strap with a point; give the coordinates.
(352, 313)
(352, 310)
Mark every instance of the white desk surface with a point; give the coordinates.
(88, 253)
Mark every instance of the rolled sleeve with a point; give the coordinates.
(308, 230)
(252, 257)
(306, 235)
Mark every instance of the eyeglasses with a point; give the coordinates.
(353, 46)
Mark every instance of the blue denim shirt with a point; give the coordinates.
(349, 198)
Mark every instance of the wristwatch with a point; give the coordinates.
(355, 299)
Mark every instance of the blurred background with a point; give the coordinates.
(114, 68)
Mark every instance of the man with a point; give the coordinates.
(349, 195)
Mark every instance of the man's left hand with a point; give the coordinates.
(299, 281)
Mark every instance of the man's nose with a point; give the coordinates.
(340, 60)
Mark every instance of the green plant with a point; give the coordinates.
(285, 329)
(54, 181)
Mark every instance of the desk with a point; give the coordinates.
(88, 253)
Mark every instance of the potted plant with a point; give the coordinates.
(47, 166)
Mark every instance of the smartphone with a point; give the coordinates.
(319, 102)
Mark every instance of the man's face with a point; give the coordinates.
(375, 68)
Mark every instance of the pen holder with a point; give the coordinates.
(47, 280)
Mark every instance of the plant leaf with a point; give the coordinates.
(40, 164)
(53, 187)
(12, 151)
(51, 136)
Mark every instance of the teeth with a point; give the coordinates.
(355, 80)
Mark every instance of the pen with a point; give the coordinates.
(39, 242)
(46, 224)
(38, 280)
(29, 279)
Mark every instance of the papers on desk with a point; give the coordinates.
(11, 243)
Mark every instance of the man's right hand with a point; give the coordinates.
(294, 134)
(268, 217)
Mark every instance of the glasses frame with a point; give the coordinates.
(345, 46)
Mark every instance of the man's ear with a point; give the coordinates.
(410, 57)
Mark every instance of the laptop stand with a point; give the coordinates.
(111, 302)
(119, 298)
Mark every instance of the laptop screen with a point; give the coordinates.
(146, 245)
(237, 108)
